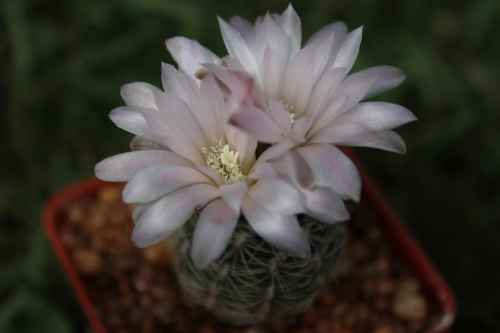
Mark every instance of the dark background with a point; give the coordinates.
(63, 62)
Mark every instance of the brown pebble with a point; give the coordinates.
(383, 329)
(410, 306)
(327, 299)
(76, 213)
(110, 194)
(312, 316)
(156, 254)
(87, 261)
(408, 284)
(384, 286)
(359, 251)
(146, 300)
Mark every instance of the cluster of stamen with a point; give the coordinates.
(224, 161)
(289, 109)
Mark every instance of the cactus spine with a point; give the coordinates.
(254, 282)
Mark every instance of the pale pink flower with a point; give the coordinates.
(191, 159)
(305, 101)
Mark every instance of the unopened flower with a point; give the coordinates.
(304, 99)
(188, 158)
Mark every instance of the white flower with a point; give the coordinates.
(304, 100)
(194, 160)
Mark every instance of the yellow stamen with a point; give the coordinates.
(224, 161)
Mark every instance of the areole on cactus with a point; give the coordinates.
(238, 156)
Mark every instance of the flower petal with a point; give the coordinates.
(124, 166)
(377, 115)
(131, 120)
(325, 205)
(339, 28)
(189, 54)
(213, 231)
(333, 169)
(275, 150)
(237, 47)
(159, 180)
(169, 213)
(277, 196)
(233, 194)
(280, 114)
(348, 49)
(388, 77)
(139, 94)
(263, 170)
(385, 140)
(255, 122)
(245, 28)
(281, 231)
(289, 21)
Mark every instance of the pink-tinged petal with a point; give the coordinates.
(333, 169)
(245, 28)
(171, 136)
(325, 118)
(325, 205)
(159, 180)
(209, 173)
(237, 47)
(275, 150)
(337, 133)
(321, 49)
(140, 143)
(280, 114)
(377, 115)
(302, 125)
(277, 196)
(246, 145)
(298, 66)
(273, 69)
(269, 33)
(140, 209)
(124, 166)
(289, 21)
(170, 212)
(338, 28)
(188, 92)
(388, 77)
(283, 232)
(180, 120)
(255, 122)
(213, 231)
(131, 120)
(175, 83)
(303, 94)
(189, 54)
(324, 89)
(385, 140)
(215, 101)
(355, 87)
(302, 174)
(263, 170)
(139, 94)
(233, 194)
(348, 49)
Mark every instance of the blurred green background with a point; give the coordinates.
(63, 62)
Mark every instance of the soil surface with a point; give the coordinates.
(135, 290)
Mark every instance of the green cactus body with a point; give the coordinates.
(252, 281)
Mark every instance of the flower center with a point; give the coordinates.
(224, 161)
(289, 109)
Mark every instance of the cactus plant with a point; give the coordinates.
(240, 154)
(253, 281)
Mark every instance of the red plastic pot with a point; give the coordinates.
(396, 233)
